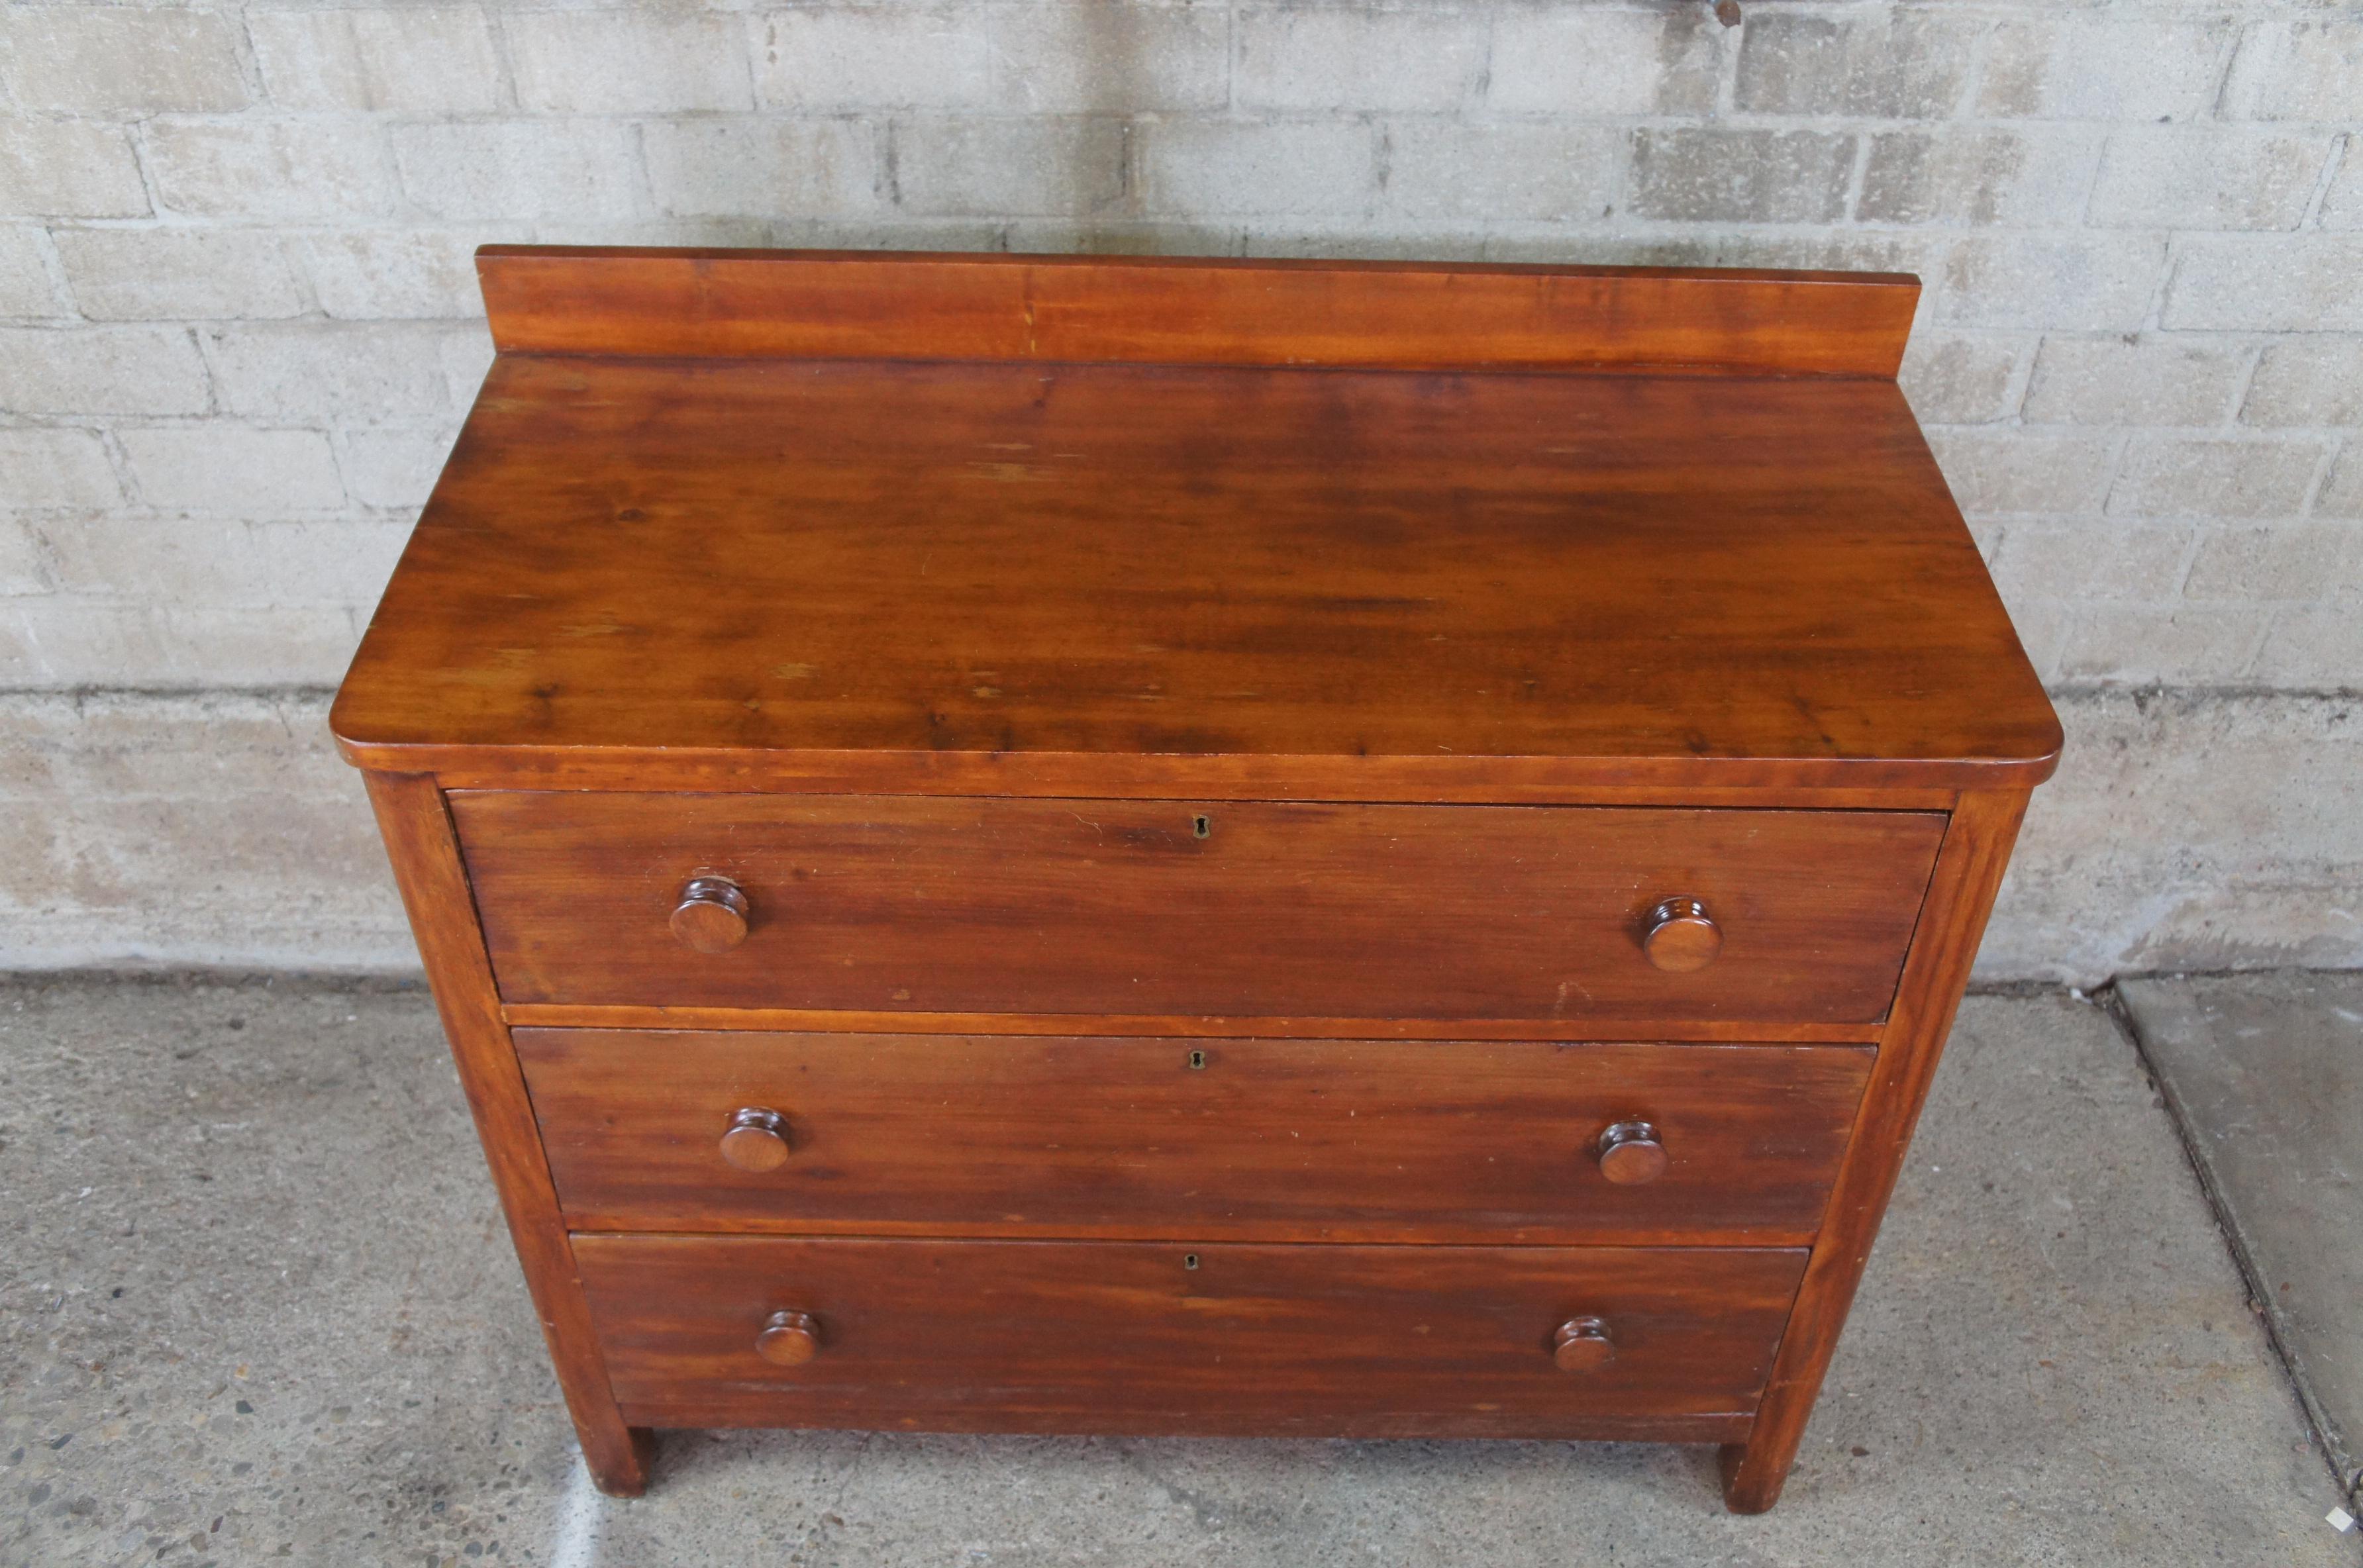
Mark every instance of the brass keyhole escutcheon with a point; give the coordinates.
(1198, 1061)
(1202, 826)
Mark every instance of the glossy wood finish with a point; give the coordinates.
(943, 905)
(1177, 1026)
(1632, 1154)
(1582, 1344)
(1275, 1139)
(1470, 781)
(789, 1338)
(417, 833)
(1681, 936)
(1192, 311)
(1018, 577)
(1168, 1026)
(711, 916)
(1585, 654)
(1121, 1337)
(1969, 873)
(755, 1139)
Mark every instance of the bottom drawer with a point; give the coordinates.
(1157, 1338)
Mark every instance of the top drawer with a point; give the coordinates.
(1231, 909)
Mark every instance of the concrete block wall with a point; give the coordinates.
(239, 326)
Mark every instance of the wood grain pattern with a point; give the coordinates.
(793, 1021)
(1969, 873)
(1123, 1337)
(1288, 1140)
(1194, 311)
(1014, 577)
(1469, 782)
(945, 905)
(936, 601)
(417, 833)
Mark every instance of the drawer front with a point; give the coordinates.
(1130, 1337)
(1271, 1139)
(963, 905)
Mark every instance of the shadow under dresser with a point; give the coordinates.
(1054, 845)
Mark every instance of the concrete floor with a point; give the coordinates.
(2265, 1073)
(258, 1306)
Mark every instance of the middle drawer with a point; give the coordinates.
(1251, 1139)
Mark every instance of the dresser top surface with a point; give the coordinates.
(1719, 578)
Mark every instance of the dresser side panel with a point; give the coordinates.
(1969, 868)
(425, 855)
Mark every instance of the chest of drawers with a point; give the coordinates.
(1060, 846)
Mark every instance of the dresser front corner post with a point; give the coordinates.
(425, 850)
(1970, 865)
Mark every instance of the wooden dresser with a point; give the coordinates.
(1048, 844)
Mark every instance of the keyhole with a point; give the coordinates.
(1189, 1260)
(1197, 1060)
(1201, 826)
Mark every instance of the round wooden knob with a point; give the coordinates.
(1682, 937)
(789, 1339)
(757, 1140)
(1582, 1344)
(711, 916)
(1630, 1153)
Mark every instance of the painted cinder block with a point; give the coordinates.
(123, 59)
(1741, 176)
(1593, 61)
(2037, 177)
(2276, 283)
(504, 171)
(28, 289)
(1031, 166)
(829, 168)
(1299, 168)
(1297, 60)
(76, 369)
(74, 168)
(630, 61)
(49, 468)
(2299, 68)
(316, 167)
(1444, 170)
(2312, 380)
(179, 273)
(232, 470)
(2046, 63)
(320, 372)
(412, 60)
(2183, 476)
(1888, 62)
(2207, 177)
(2153, 379)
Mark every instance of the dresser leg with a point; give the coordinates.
(1752, 1488)
(618, 1456)
(425, 850)
(1961, 895)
